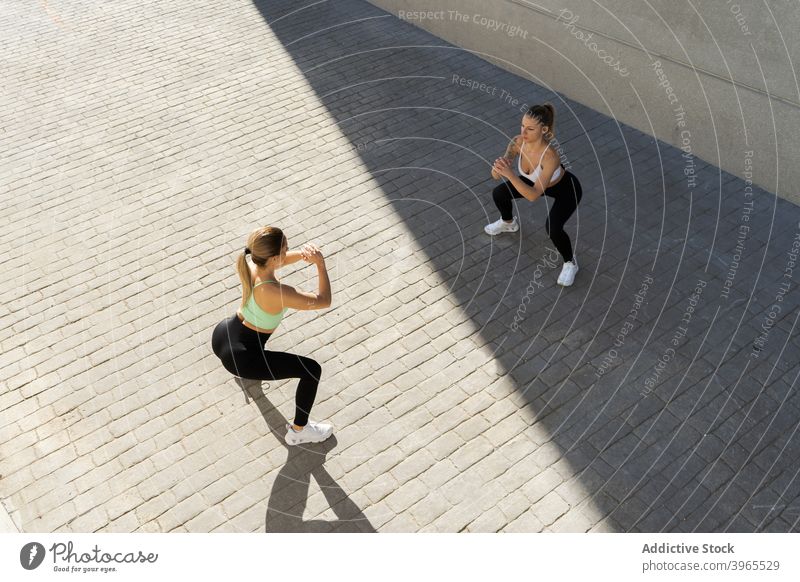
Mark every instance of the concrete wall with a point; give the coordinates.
(729, 65)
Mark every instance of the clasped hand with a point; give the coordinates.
(503, 167)
(310, 253)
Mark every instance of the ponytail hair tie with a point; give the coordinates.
(246, 251)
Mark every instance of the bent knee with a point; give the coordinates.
(501, 192)
(312, 369)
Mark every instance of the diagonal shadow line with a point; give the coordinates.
(343, 77)
(289, 495)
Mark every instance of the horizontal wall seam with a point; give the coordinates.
(550, 14)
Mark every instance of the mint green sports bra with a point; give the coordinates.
(256, 316)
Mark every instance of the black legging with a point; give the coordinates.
(242, 352)
(567, 194)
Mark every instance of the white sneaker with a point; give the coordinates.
(568, 271)
(501, 226)
(313, 432)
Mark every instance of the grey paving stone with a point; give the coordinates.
(528, 522)
(541, 485)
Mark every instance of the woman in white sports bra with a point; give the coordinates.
(541, 173)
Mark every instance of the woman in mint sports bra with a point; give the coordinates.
(239, 341)
(545, 176)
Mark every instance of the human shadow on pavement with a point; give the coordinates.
(648, 389)
(289, 494)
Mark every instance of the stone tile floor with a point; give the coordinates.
(145, 141)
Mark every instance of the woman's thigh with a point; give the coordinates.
(269, 365)
(507, 189)
(565, 202)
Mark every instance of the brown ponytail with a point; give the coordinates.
(262, 244)
(546, 115)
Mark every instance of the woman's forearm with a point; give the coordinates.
(324, 283)
(292, 257)
(529, 192)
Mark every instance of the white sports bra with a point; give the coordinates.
(533, 176)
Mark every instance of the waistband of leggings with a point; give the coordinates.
(241, 328)
(565, 181)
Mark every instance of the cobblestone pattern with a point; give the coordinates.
(144, 141)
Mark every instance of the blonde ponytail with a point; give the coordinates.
(244, 277)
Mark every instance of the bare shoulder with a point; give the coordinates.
(269, 295)
(515, 145)
(268, 287)
(552, 156)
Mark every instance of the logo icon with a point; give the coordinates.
(31, 555)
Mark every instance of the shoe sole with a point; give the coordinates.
(308, 442)
(501, 232)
